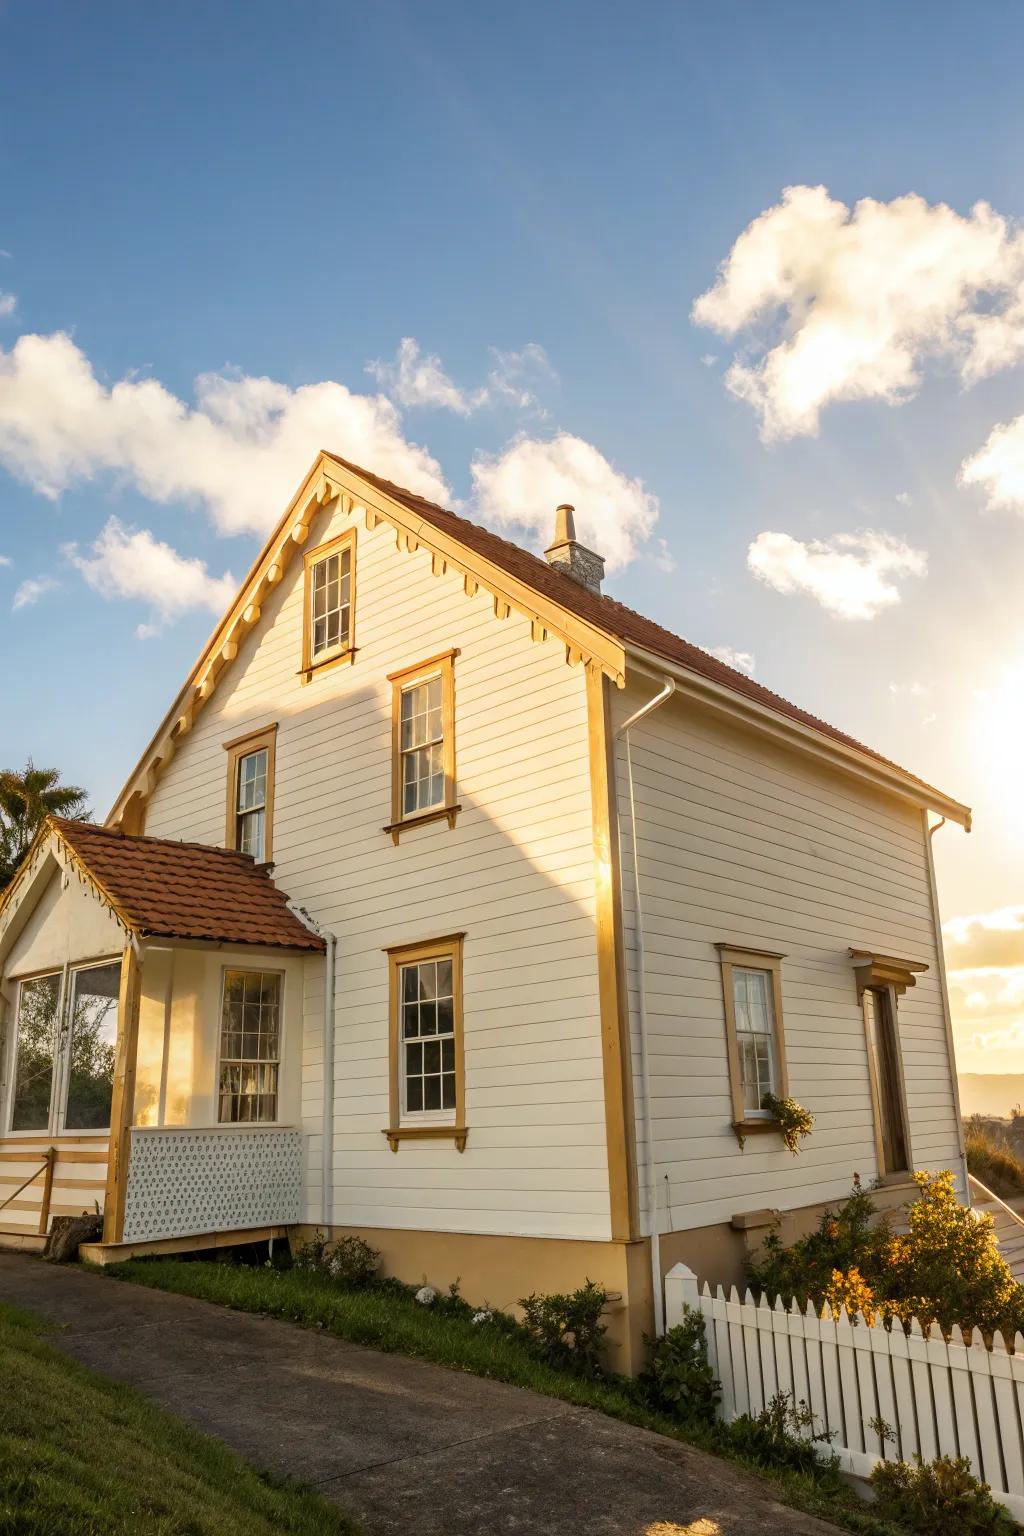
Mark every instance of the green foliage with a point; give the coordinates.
(314, 1255)
(992, 1158)
(566, 1329)
(26, 799)
(781, 1435)
(81, 1455)
(945, 1268)
(795, 1122)
(351, 1261)
(938, 1496)
(678, 1379)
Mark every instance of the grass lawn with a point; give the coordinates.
(395, 1323)
(83, 1456)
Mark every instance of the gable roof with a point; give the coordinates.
(159, 888)
(596, 630)
(605, 613)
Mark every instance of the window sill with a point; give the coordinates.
(396, 828)
(343, 658)
(759, 1127)
(400, 1133)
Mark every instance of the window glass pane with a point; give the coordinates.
(252, 834)
(755, 1040)
(93, 1043)
(331, 599)
(249, 1046)
(38, 1003)
(252, 780)
(422, 746)
(428, 1030)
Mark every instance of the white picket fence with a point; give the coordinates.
(955, 1397)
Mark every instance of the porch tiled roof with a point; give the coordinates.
(166, 889)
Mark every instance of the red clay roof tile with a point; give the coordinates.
(167, 889)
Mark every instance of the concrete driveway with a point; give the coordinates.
(407, 1447)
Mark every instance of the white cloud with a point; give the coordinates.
(851, 575)
(32, 590)
(520, 488)
(845, 304)
(240, 451)
(904, 498)
(131, 563)
(418, 379)
(914, 690)
(8, 304)
(998, 466)
(5, 559)
(709, 359)
(743, 661)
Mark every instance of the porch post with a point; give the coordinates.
(123, 1101)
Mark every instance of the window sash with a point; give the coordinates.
(251, 803)
(36, 1052)
(754, 1012)
(88, 1089)
(250, 1047)
(330, 605)
(883, 1061)
(421, 749)
(63, 1060)
(427, 1043)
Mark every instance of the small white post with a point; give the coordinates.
(681, 1290)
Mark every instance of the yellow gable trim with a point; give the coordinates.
(326, 482)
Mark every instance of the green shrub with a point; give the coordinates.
(678, 1379)
(314, 1254)
(353, 1261)
(938, 1496)
(992, 1159)
(782, 1435)
(565, 1330)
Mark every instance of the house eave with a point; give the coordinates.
(803, 738)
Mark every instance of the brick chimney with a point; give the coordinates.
(570, 557)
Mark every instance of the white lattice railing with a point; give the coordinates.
(186, 1183)
(942, 1397)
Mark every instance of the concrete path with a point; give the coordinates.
(407, 1447)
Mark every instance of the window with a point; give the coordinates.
(250, 803)
(250, 1046)
(330, 603)
(423, 743)
(886, 1080)
(427, 1095)
(752, 984)
(65, 1043)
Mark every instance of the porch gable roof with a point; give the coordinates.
(160, 888)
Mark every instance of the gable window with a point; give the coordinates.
(329, 602)
(250, 802)
(65, 1043)
(427, 1093)
(250, 1046)
(752, 986)
(423, 742)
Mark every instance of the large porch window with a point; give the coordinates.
(250, 1046)
(65, 1040)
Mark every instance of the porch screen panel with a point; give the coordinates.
(38, 1017)
(93, 1043)
(250, 1046)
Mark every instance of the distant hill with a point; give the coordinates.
(990, 1093)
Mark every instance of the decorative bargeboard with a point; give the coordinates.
(184, 1183)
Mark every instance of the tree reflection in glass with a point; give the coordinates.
(38, 1007)
(93, 1041)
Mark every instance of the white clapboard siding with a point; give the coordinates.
(742, 841)
(516, 876)
(938, 1397)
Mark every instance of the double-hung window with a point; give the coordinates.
(752, 987)
(423, 742)
(65, 1040)
(427, 1096)
(250, 1046)
(250, 802)
(329, 602)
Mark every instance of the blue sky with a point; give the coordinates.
(536, 195)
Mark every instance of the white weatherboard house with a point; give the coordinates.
(456, 905)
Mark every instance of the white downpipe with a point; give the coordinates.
(666, 692)
(327, 1121)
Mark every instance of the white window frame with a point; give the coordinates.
(262, 970)
(60, 1081)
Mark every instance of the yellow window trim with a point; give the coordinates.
(731, 956)
(347, 654)
(239, 747)
(447, 947)
(441, 665)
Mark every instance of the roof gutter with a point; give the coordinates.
(802, 738)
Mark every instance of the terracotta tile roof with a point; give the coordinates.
(171, 890)
(605, 613)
